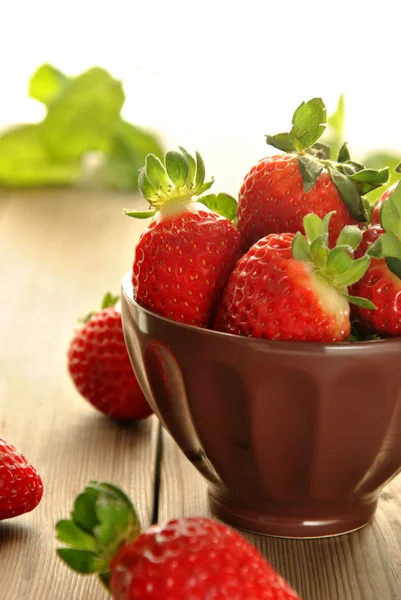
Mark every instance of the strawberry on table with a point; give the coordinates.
(280, 190)
(21, 486)
(292, 287)
(183, 258)
(184, 559)
(100, 367)
(382, 282)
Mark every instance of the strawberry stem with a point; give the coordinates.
(336, 266)
(103, 518)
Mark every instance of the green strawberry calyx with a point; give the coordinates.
(352, 179)
(336, 266)
(108, 301)
(102, 520)
(180, 178)
(388, 245)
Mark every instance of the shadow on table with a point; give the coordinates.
(12, 533)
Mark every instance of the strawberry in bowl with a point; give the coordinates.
(282, 189)
(293, 287)
(382, 282)
(295, 428)
(185, 255)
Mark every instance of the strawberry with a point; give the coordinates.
(184, 559)
(100, 367)
(21, 486)
(291, 287)
(381, 283)
(183, 258)
(280, 190)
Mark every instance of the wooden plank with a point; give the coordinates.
(364, 565)
(59, 252)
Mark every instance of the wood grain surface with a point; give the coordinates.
(364, 565)
(59, 251)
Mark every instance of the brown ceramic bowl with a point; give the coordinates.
(296, 439)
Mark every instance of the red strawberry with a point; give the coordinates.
(183, 258)
(272, 200)
(185, 559)
(382, 282)
(383, 198)
(287, 287)
(21, 486)
(100, 367)
(280, 190)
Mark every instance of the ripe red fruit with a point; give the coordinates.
(185, 559)
(383, 198)
(100, 367)
(287, 287)
(194, 558)
(184, 257)
(383, 288)
(21, 486)
(272, 200)
(281, 190)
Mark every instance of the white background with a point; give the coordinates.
(216, 76)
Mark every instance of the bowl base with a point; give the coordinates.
(285, 526)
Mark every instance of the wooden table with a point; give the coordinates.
(59, 251)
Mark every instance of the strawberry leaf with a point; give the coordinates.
(204, 187)
(301, 248)
(319, 251)
(84, 514)
(314, 227)
(109, 300)
(394, 264)
(361, 302)
(191, 165)
(223, 204)
(177, 168)
(386, 246)
(390, 212)
(370, 179)
(310, 171)
(349, 194)
(141, 214)
(354, 273)
(156, 173)
(200, 173)
(114, 519)
(338, 260)
(145, 187)
(320, 151)
(308, 123)
(81, 560)
(326, 220)
(281, 141)
(350, 236)
(71, 534)
(343, 154)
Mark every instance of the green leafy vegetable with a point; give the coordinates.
(46, 83)
(25, 160)
(83, 115)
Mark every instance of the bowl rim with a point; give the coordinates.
(283, 345)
